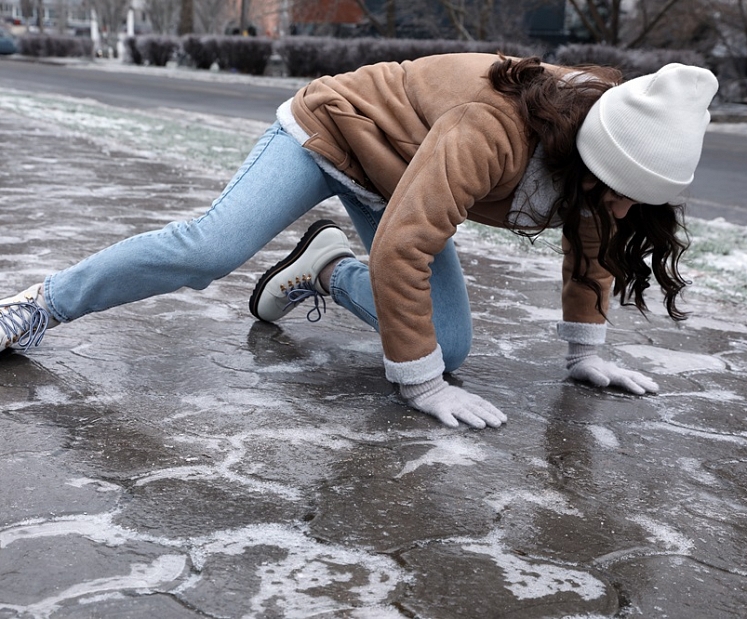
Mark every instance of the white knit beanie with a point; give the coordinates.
(643, 138)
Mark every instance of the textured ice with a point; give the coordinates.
(550, 500)
(306, 563)
(452, 451)
(528, 579)
(673, 362)
(142, 577)
(604, 436)
(664, 535)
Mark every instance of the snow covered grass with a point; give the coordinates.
(194, 140)
(715, 262)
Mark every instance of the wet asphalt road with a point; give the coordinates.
(176, 459)
(142, 89)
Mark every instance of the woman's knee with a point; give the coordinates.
(455, 348)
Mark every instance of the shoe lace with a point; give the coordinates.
(302, 291)
(24, 321)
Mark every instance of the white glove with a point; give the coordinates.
(584, 364)
(450, 404)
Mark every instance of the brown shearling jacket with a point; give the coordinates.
(436, 140)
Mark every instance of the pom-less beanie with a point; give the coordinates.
(643, 138)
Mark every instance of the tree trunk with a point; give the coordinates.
(40, 16)
(187, 18)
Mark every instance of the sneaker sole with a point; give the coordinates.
(309, 236)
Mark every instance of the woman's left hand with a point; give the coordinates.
(601, 373)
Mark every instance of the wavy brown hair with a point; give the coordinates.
(553, 110)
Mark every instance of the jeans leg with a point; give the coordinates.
(350, 287)
(277, 184)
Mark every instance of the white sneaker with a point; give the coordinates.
(24, 319)
(296, 277)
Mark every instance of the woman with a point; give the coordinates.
(413, 150)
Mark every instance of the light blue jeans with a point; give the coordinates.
(278, 183)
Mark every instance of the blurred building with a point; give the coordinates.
(538, 19)
(274, 18)
(72, 17)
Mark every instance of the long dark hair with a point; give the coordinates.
(553, 109)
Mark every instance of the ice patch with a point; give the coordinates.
(235, 453)
(673, 362)
(142, 577)
(714, 395)
(362, 346)
(49, 394)
(543, 314)
(448, 451)
(703, 322)
(604, 436)
(547, 499)
(737, 439)
(308, 566)
(332, 438)
(101, 486)
(664, 535)
(103, 597)
(538, 463)
(97, 528)
(283, 368)
(296, 582)
(532, 580)
(694, 468)
(229, 401)
(153, 134)
(375, 612)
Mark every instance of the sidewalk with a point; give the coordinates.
(175, 459)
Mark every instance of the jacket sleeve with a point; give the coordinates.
(582, 322)
(468, 152)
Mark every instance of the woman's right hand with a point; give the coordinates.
(450, 404)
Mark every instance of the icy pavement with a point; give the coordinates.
(175, 459)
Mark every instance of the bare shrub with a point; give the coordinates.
(315, 56)
(60, 46)
(132, 54)
(157, 50)
(632, 62)
(244, 54)
(200, 51)
(232, 53)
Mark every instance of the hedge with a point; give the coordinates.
(44, 45)
(308, 57)
(314, 56)
(632, 62)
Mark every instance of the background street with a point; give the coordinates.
(174, 458)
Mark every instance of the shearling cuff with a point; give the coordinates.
(417, 371)
(587, 333)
